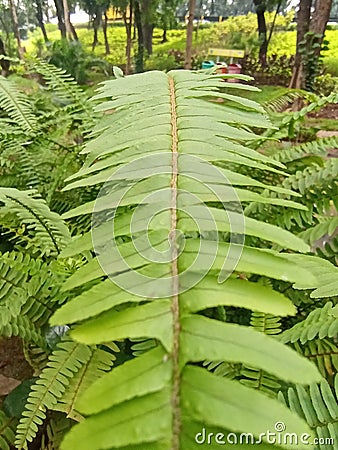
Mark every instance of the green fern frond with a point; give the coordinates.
(315, 336)
(282, 101)
(7, 431)
(256, 378)
(287, 125)
(223, 369)
(265, 323)
(63, 364)
(323, 352)
(318, 187)
(49, 232)
(56, 428)
(65, 88)
(36, 356)
(318, 404)
(17, 106)
(323, 237)
(99, 363)
(22, 326)
(319, 147)
(28, 287)
(12, 280)
(162, 393)
(250, 376)
(320, 323)
(142, 345)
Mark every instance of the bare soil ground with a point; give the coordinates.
(328, 112)
(13, 366)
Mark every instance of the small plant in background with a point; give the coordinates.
(325, 84)
(278, 69)
(71, 57)
(174, 59)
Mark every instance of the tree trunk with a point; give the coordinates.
(16, 28)
(74, 34)
(212, 8)
(104, 28)
(303, 21)
(60, 16)
(190, 29)
(66, 15)
(164, 35)
(39, 17)
(3, 62)
(8, 33)
(148, 29)
(319, 21)
(128, 23)
(45, 7)
(140, 47)
(96, 24)
(274, 22)
(260, 12)
(147, 24)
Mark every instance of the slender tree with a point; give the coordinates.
(147, 8)
(140, 45)
(16, 28)
(97, 11)
(39, 17)
(60, 16)
(319, 21)
(278, 8)
(166, 13)
(104, 29)
(127, 14)
(97, 19)
(190, 30)
(311, 27)
(303, 22)
(260, 6)
(66, 14)
(4, 63)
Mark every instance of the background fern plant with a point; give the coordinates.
(192, 158)
(41, 137)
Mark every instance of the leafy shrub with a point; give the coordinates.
(70, 56)
(161, 62)
(278, 69)
(331, 65)
(173, 60)
(325, 84)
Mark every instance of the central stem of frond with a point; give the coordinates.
(174, 273)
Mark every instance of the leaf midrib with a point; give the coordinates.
(175, 398)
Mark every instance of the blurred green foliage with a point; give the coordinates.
(236, 32)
